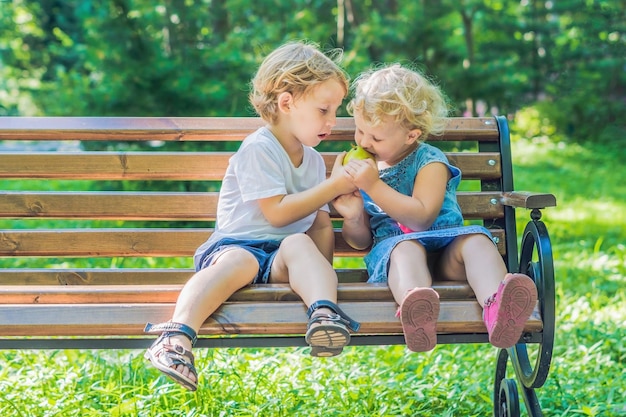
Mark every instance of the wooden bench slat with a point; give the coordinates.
(76, 243)
(178, 166)
(102, 242)
(115, 165)
(93, 276)
(168, 293)
(121, 276)
(109, 205)
(232, 318)
(196, 128)
(168, 205)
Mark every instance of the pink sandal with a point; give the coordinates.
(506, 312)
(418, 313)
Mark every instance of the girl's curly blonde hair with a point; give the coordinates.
(295, 67)
(403, 94)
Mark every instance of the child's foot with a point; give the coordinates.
(170, 357)
(418, 313)
(506, 312)
(327, 332)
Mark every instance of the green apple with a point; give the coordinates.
(357, 153)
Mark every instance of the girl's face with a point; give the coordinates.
(389, 141)
(313, 116)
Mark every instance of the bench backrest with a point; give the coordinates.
(161, 202)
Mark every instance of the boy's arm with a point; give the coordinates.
(281, 210)
(323, 235)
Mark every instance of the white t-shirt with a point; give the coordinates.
(259, 169)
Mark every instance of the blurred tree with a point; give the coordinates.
(586, 92)
(196, 57)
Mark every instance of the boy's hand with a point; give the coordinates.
(356, 226)
(349, 205)
(342, 180)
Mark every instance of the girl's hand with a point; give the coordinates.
(363, 173)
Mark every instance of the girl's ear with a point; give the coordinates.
(285, 101)
(413, 136)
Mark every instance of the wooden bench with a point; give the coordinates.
(96, 240)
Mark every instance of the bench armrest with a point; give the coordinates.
(524, 199)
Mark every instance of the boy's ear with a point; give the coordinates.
(285, 101)
(413, 136)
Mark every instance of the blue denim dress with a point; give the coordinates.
(387, 232)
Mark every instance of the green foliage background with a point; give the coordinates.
(195, 57)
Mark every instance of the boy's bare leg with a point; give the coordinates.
(302, 265)
(208, 289)
(312, 276)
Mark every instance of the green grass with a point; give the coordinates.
(587, 376)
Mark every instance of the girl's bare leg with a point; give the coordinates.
(475, 259)
(507, 299)
(408, 269)
(410, 281)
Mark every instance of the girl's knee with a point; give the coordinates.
(410, 248)
(474, 240)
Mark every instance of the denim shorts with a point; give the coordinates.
(263, 250)
(377, 260)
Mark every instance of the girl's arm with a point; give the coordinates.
(417, 212)
(323, 235)
(356, 226)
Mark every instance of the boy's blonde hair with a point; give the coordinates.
(403, 94)
(294, 67)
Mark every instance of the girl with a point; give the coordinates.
(407, 211)
(273, 222)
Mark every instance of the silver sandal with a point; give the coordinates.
(165, 356)
(327, 334)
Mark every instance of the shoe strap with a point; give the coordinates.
(172, 328)
(490, 300)
(343, 317)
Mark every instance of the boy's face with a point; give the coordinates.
(389, 141)
(313, 116)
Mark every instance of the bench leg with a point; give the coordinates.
(535, 261)
(505, 393)
(505, 397)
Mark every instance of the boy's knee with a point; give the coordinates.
(237, 257)
(297, 240)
